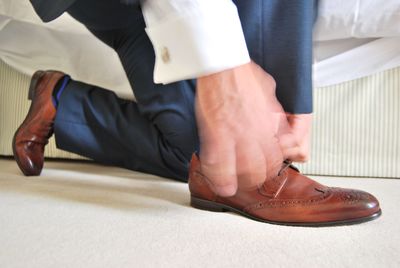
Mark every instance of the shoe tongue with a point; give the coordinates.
(291, 184)
(272, 187)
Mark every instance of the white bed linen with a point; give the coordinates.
(354, 39)
(28, 47)
(339, 61)
(27, 44)
(341, 19)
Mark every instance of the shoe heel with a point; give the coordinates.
(35, 79)
(206, 205)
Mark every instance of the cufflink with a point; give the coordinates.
(165, 55)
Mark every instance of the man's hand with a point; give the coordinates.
(294, 137)
(238, 117)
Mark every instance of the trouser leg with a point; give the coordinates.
(95, 123)
(169, 107)
(156, 135)
(279, 38)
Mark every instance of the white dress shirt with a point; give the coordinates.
(192, 38)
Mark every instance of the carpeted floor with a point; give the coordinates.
(85, 215)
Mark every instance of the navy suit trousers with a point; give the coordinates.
(157, 134)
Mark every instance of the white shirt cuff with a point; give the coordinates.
(203, 40)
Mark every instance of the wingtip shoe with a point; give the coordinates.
(288, 199)
(33, 134)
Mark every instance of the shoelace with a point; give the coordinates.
(286, 164)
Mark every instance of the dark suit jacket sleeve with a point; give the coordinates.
(49, 10)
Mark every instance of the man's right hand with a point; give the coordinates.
(238, 117)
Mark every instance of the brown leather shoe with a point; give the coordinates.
(288, 199)
(34, 133)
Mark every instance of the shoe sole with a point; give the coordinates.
(218, 207)
(31, 91)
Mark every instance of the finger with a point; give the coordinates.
(296, 155)
(287, 141)
(218, 164)
(295, 141)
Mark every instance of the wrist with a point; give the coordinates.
(221, 87)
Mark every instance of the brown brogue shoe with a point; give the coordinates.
(34, 132)
(289, 199)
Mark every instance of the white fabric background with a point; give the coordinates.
(355, 38)
(340, 54)
(64, 44)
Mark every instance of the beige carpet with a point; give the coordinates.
(85, 215)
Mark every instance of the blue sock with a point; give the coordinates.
(58, 89)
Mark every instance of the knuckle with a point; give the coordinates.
(303, 157)
(271, 81)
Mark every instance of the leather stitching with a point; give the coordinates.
(288, 202)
